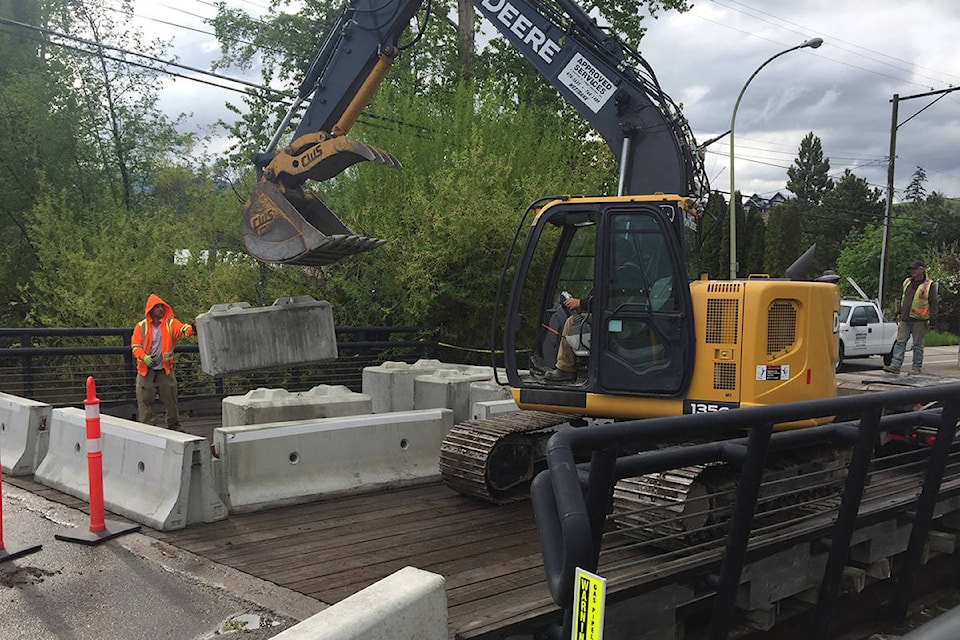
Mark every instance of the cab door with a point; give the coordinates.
(644, 320)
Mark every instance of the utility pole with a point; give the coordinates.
(888, 209)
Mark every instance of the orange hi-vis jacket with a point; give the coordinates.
(171, 330)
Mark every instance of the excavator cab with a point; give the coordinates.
(623, 255)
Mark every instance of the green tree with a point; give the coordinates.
(860, 260)
(714, 234)
(755, 240)
(37, 116)
(916, 191)
(783, 244)
(809, 175)
(850, 205)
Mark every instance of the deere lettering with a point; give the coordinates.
(523, 28)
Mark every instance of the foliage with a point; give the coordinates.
(940, 339)
(452, 212)
(783, 244)
(860, 260)
(916, 191)
(755, 238)
(943, 267)
(849, 205)
(809, 175)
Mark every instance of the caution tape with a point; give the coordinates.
(456, 347)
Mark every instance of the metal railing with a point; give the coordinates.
(582, 525)
(52, 365)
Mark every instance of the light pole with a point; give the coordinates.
(813, 43)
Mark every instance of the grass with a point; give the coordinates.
(940, 339)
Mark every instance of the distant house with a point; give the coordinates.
(764, 205)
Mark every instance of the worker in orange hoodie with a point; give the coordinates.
(153, 341)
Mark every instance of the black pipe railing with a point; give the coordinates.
(568, 496)
(52, 364)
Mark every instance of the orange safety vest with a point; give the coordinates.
(920, 307)
(171, 330)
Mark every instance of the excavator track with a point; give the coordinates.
(496, 458)
(686, 506)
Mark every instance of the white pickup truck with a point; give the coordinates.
(864, 332)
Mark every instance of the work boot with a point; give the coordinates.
(891, 369)
(559, 375)
(914, 372)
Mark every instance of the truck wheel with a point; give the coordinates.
(888, 358)
(839, 358)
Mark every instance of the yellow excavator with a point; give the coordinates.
(654, 342)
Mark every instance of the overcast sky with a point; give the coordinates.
(842, 92)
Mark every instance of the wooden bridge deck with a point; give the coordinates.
(330, 549)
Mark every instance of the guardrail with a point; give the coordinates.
(52, 364)
(579, 525)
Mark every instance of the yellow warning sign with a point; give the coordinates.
(589, 598)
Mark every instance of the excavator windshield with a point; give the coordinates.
(621, 258)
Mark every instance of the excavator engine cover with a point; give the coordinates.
(293, 227)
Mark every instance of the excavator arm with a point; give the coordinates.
(592, 69)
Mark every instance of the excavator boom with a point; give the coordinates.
(591, 68)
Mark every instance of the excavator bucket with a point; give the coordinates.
(287, 225)
(297, 228)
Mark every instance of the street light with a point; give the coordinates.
(813, 43)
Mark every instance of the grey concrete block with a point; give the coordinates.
(488, 390)
(390, 385)
(237, 337)
(261, 406)
(447, 388)
(492, 408)
(410, 603)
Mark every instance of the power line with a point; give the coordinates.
(166, 63)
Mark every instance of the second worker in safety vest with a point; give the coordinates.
(918, 306)
(153, 341)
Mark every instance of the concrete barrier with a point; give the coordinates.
(154, 476)
(264, 466)
(492, 408)
(236, 337)
(262, 406)
(448, 388)
(410, 603)
(24, 434)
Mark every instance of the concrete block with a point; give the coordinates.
(492, 408)
(24, 434)
(262, 406)
(237, 337)
(264, 466)
(488, 390)
(448, 388)
(390, 385)
(157, 477)
(410, 603)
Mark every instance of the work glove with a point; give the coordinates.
(148, 360)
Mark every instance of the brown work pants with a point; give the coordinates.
(157, 382)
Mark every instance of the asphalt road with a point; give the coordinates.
(127, 588)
